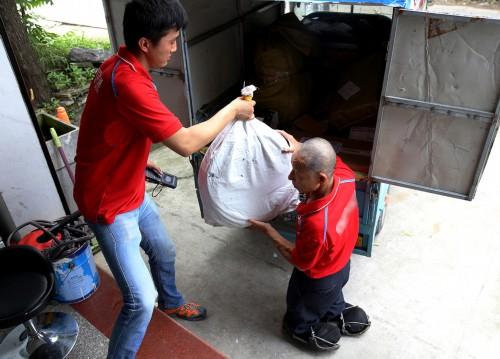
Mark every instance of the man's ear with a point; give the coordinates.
(323, 178)
(144, 44)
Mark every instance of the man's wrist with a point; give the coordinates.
(232, 110)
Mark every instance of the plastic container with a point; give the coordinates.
(76, 276)
(62, 115)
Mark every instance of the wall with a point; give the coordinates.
(25, 179)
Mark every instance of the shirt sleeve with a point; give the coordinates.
(141, 105)
(308, 247)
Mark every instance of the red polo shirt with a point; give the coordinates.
(327, 228)
(123, 116)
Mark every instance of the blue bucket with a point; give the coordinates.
(76, 276)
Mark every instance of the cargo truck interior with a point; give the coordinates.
(318, 73)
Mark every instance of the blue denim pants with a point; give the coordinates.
(120, 243)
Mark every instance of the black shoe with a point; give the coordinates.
(353, 321)
(321, 336)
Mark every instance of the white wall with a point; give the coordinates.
(25, 180)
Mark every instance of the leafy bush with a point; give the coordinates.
(81, 76)
(71, 76)
(72, 39)
(51, 105)
(53, 49)
(58, 80)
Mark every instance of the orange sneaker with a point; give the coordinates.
(188, 311)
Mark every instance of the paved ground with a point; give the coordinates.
(432, 287)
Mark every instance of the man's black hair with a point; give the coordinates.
(151, 19)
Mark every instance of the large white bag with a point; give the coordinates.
(244, 175)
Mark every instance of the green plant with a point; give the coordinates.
(58, 80)
(51, 105)
(24, 7)
(53, 49)
(71, 76)
(80, 76)
(50, 57)
(72, 39)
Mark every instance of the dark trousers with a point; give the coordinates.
(310, 301)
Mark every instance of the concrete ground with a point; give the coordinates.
(432, 286)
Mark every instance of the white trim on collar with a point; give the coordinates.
(334, 190)
(128, 62)
(337, 183)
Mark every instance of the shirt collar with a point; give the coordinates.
(129, 58)
(306, 208)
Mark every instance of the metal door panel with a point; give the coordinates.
(439, 110)
(445, 60)
(204, 16)
(216, 60)
(438, 149)
(216, 64)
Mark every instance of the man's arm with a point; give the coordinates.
(283, 245)
(286, 251)
(189, 140)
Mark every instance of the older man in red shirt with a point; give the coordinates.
(327, 230)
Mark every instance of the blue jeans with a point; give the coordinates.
(120, 242)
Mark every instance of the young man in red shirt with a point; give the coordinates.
(123, 116)
(327, 229)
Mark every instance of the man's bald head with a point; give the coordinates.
(318, 155)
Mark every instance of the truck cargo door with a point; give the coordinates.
(439, 110)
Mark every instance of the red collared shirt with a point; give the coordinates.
(123, 116)
(327, 228)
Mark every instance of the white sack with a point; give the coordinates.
(244, 175)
